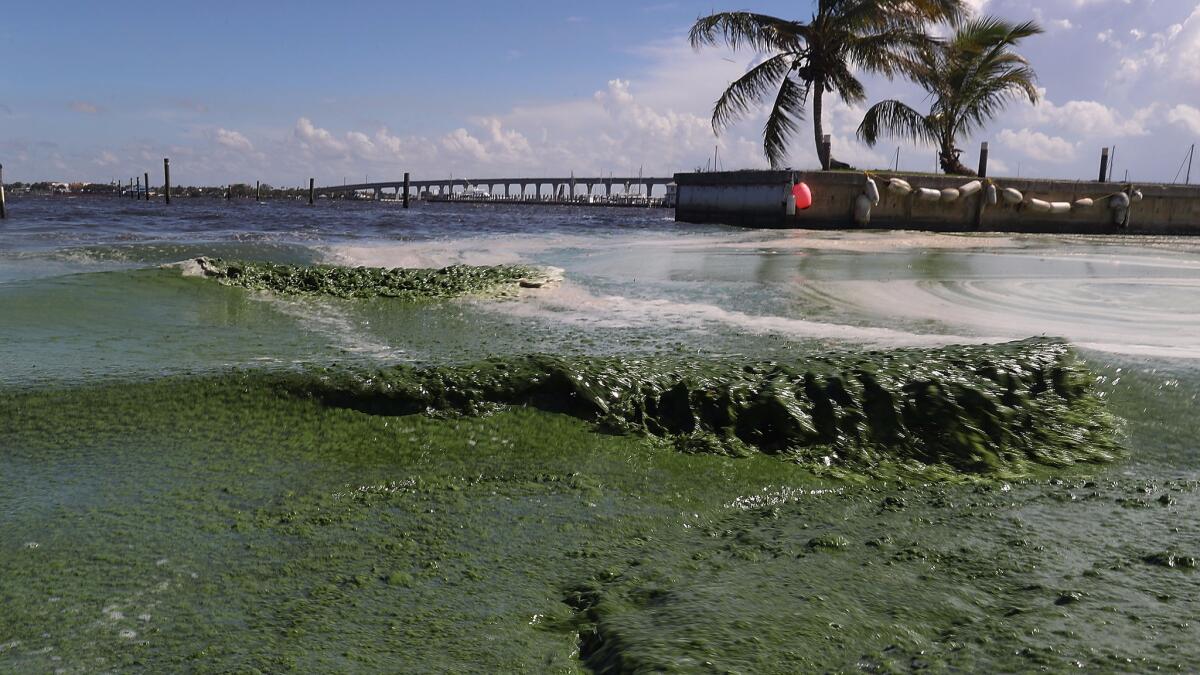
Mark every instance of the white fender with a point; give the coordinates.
(1084, 203)
(1060, 207)
(950, 194)
(991, 194)
(871, 190)
(928, 194)
(1039, 205)
(862, 210)
(1012, 195)
(970, 188)
(899, 186)
(791, 205)
(1137, 195)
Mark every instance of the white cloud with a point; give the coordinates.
(317, 140)
(1173, 53)
(976, 6)
(1185, 116)
(1090, 118)
(360, 144)
(233, 140)
(1051, 24)
(461, 142)
(1037, 145)
(85, 107)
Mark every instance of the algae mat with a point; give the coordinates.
(407, 284)
(238, 523)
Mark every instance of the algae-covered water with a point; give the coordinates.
(701, 449)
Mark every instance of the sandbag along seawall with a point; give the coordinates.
(845, 199)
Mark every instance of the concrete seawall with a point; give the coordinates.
(760, 198)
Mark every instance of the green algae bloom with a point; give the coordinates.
(408, 284)
(978, 410)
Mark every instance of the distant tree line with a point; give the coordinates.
(234, 191)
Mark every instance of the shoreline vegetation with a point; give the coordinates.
(234, 191)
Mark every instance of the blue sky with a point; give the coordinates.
(237, 92)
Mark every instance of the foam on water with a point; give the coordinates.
(1132, 316)
(1101, 294)
(331, 319)
(481, 250)
(498, 249)
(573, 304)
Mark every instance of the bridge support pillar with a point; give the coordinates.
(608, 188)
(589, 188)
(507, 192)
(649, 189)
(378, 194)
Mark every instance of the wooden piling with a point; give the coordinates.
(406, 189)
(257, 191)
(312, 191)
(3, 212)
(1103, 165)
(983, 157)
(138, 194)
(167, 179)
(147, 184)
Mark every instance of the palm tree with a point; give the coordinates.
(875, 36)
(970, 79)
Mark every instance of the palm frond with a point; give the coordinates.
(843, 81)
(784, 119)
(760, 32)
(970, 78)
(749, 88)
(889, 51)
(879, 15)
(895, 119)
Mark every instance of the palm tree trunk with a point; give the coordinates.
(818, 127)
(950, 162)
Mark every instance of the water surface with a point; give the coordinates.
(163, 506)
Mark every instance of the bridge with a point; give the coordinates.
(568, 186)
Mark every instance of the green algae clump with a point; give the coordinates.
(409, 284)
(990, 409)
